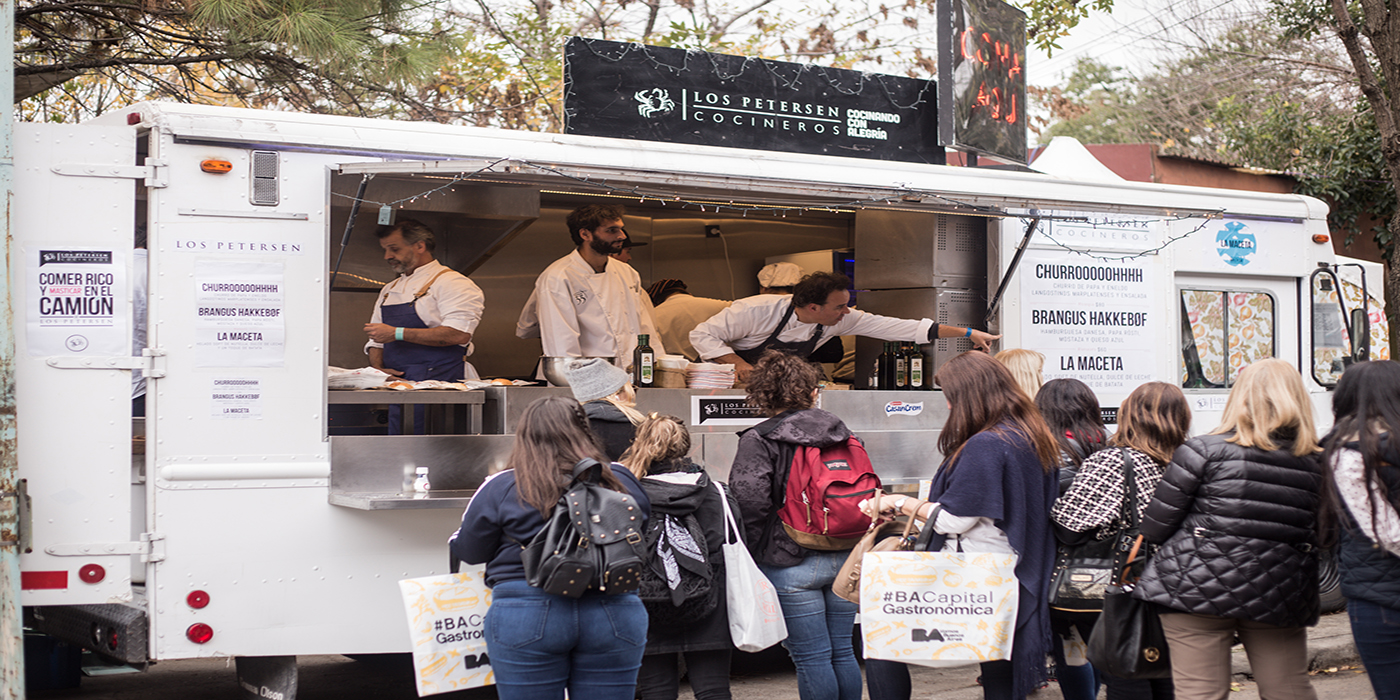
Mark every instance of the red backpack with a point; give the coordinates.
(821, 506)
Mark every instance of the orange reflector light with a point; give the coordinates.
(199, 633)
(216, 166)
(1320, 238)
(197, 599)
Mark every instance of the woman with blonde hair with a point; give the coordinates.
(686, 532)
(1235, 517)
(1026, 367)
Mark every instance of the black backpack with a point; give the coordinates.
(679, 552)
(592, 540)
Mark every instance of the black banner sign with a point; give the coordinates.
(725, 410)
(659, 94)
(982, 76)
(87, 257)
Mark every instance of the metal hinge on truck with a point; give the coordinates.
(155, 172)
(151, 548)
(151, 363)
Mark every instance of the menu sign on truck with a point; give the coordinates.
(239, 319)
(653, 93)
(1094, 320)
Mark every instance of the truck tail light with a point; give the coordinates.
(197, 599)
(199, 633)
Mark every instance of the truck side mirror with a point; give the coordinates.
(1360, 335)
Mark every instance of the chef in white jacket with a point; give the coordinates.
(814, 314)
(589, 304)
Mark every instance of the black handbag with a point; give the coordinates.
(1128, 640)
(1083, 572)
(592, 540)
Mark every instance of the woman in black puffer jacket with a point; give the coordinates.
(1235, 517)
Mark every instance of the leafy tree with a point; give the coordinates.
(78, 57)
(1342, 148)
(482, 62)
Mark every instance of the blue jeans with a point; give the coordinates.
(819, 627)
(1376, 630)
(540, 644)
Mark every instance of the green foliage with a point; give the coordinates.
(1048, 21)
(354, 56)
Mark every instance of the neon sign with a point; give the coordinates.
(1001, 66)
(982, 77)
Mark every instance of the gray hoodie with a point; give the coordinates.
(758, 478)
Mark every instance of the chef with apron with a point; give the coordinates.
(423, 321)
(589, 304)
(814, 314)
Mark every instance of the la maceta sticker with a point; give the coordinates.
(1235, 244)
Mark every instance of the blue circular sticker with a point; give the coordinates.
(1235, 244)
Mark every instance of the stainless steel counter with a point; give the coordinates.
(900, 430)
(472, 400)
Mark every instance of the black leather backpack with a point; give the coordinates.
(592, 540)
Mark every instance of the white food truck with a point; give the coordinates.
(240, 519)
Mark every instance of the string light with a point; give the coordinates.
(907, 196)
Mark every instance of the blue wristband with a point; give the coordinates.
(968, 334)
(398, 333)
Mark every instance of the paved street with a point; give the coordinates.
(768, 676)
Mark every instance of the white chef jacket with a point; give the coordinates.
(678, 315)
(749, 322)
(453, 301)
(584, 313)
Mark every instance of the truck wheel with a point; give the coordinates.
(1329, 583)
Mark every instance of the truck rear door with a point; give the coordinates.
(71, 267)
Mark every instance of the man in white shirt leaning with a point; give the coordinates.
(815, 313)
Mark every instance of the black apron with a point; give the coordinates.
(801, 348)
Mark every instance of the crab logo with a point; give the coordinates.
(654, 101)
(1235, 244)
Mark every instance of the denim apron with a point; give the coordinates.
(417, 362)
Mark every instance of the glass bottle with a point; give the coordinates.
(643, 363)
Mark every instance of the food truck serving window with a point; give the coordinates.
(1221, 333)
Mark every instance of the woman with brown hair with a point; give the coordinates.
(996, 486)
(541, 644)
(684, 538)
(819, 622)
(1235, 517)
(1152, 422)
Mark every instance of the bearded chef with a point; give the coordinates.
(423, 321)
(814, 314)
(589, 304)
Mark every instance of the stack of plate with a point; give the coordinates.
(705, 375)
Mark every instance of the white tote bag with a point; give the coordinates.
(446, 618)
(938, 608)
(755, 617)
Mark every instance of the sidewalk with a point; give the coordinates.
(770, 675)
